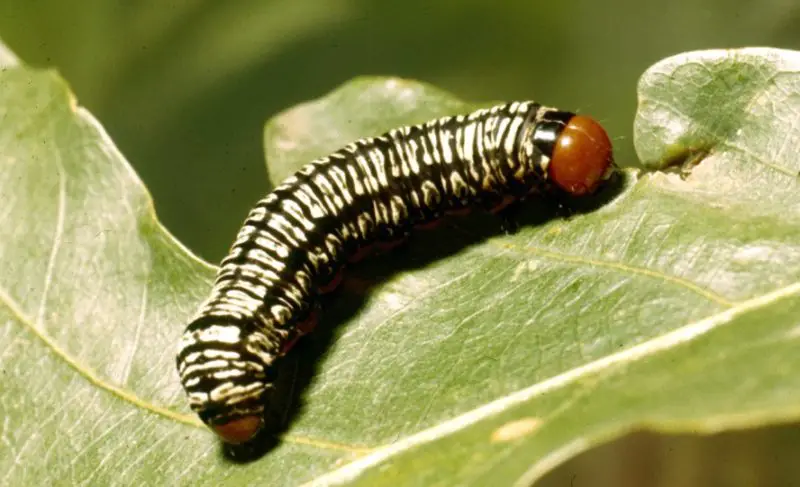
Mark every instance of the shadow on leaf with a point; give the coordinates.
(296, 370)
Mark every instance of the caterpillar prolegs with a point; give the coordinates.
(295, 242)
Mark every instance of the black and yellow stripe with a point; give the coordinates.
(295, 240)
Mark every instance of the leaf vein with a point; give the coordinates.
(57, 236)
(128, 396)
(497, 407)
(624, 268)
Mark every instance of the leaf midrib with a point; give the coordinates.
(660, 343)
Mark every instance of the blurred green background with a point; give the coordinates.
(185, 87)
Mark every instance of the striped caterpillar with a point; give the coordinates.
(296, 241)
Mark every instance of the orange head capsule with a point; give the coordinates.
(582, 156)
(239, 430)
(577, 151)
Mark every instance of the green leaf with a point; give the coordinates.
(94, 295)
(473, 358)
(645, 313)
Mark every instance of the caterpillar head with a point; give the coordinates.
(579, 150)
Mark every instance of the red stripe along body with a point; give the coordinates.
(373, 192)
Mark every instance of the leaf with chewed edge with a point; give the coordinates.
(705, 288)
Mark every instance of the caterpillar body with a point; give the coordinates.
(295, 242)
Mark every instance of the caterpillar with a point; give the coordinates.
(296, 241)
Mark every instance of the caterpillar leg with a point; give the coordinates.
(509, 223)
(561, 206)
(506, 208)
(302, 328)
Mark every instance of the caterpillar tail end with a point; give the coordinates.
(239, 430)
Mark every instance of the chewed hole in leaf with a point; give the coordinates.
(684, 160)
